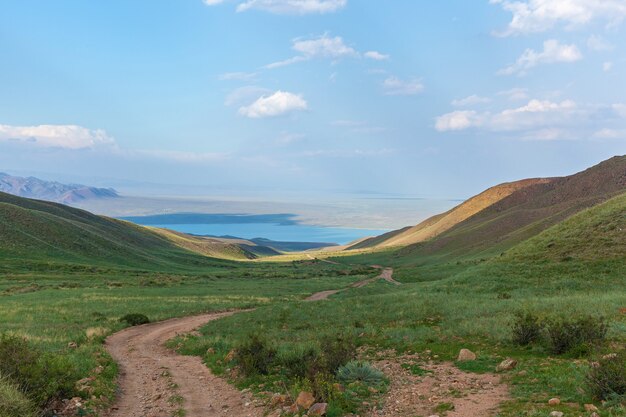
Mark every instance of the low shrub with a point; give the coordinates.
(255, 356)
(526, 328)
(362, 372)
(13, 402)
(135, 319)
(607, 377)
(336, 351)
(575, 336)
(42, 377)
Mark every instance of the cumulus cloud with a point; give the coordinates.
(323, 46)
(470, 101)
(376, 56)
(300, 7)
(457, 120)
(553, 52)
(538, 119)
(532, 16)
(277, 104)
(56, 136)
(515, 94)
(395, 86)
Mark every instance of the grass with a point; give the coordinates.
(77, 290)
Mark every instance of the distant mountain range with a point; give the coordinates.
(31, 187)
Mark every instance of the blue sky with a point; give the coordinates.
(432, 99)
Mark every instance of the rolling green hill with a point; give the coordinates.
(38, 232)
(522, 214)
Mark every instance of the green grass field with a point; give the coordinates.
(54, 295)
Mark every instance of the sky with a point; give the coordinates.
(434, 99)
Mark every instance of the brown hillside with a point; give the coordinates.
(529, 210)
(440, 223)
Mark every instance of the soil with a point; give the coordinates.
(157, 382)
(386, 274)
(443, 385)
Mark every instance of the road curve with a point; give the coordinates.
(156, 382)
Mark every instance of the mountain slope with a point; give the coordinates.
(598, 233)
(32, 187)
(438, 224)
(527, 212)
(33, 231)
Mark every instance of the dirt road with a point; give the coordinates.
(386, 274)
(157, 382)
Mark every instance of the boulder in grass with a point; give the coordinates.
(466, 355)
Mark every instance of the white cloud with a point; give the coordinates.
(321, 47)
(470, 101)
(597, 43)
(357, 126)
(287, 6)
(515, 94)
(293, 6)
(56, 136)
(244, 95)
(457, 120)
(277, 104)
(237, 76)
(532, 16)
(541, 120)
(553, 52)
(607, 66)
(610, 134)
(376, 56)
(395, 86)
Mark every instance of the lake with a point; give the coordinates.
(277, 227)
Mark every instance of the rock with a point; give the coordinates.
(506, 365)
(594, 414)
(556, 414)
(318, 409)
(554, 401)
(466, 355)
(230, 356)
(72, 345)
(210, 351)
(278, 400)
(305, 400)
(337, 386)
(609, 356)
(590, 407)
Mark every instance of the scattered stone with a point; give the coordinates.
(305, 400)
(506, 365)
(590, 407)
(556, 414)
(339, 387)
(609, 356)
(278, 400)
(210, 351)
(318, 409)
(554, 401)
(466, 355)
(72, 345)
(594, 414)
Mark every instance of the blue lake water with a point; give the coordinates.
(277, 227)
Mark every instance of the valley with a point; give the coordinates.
(405, 303)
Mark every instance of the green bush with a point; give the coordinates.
(298, 363)
(135, 319)
(255, 356)
(526, 328)
(607, 378)
(576, 336)
(362, 372)
(43, 377)
(13, 402)
(336, 351)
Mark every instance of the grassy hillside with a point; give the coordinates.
(525, 213)
(43, 234)
(438, 224)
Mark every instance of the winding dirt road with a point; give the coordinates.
(157, 382)
(386, 274)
